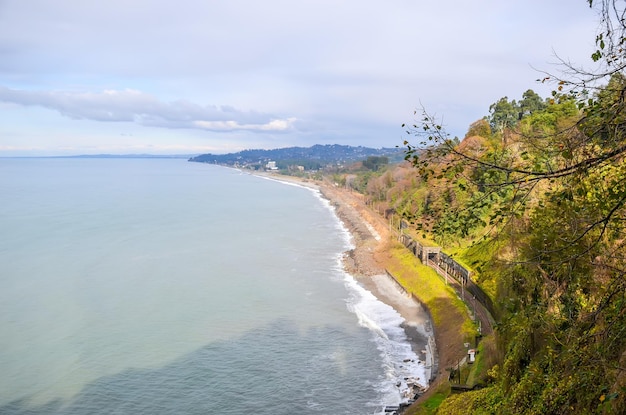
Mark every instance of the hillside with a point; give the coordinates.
(535, 209)
(311, 158)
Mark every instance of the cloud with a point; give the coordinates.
(297, 73)
(273, 125)
(144, 109)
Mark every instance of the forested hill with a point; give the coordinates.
(532, 201)
(314, 157)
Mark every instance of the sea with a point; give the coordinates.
(161, 286)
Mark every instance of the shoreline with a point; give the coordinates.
(364, 262)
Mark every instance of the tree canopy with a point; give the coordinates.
(549, 185)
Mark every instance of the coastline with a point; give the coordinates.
(366, 263)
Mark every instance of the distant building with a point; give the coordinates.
(271, 165)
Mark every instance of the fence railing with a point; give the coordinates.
(451, 271)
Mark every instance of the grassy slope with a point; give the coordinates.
(453, 326)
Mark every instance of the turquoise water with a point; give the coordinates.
(161, 286)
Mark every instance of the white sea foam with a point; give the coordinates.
(400, 363)
(402, 366)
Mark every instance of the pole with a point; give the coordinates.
(474, 307)
(463, 288)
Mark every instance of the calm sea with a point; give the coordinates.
(159, 286)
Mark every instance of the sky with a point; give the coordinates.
(209, 76)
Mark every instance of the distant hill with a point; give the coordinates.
(311, 158)
(126, 156)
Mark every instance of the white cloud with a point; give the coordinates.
(292, 72)
(144, 109)
(273, 125)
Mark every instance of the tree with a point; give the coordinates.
(504, 114)
(592, 140)
(374, 163)
(561, 178)
(479, 128)
(530, 103)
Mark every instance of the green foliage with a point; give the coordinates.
(481, 373)
(479, 128)
(531, 103)
(541, 124)
(339, 179)
(456, 223)
(478, 257)
(546, 209)
(431, 405)
(562, 329)
(425, 283)
(535, 203)
(480, 402)
(503, 114)
(361, 181)
(375, 163)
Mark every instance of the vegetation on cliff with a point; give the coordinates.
(544, 198)
(533, 199)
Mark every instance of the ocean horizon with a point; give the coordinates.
(160, 286)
